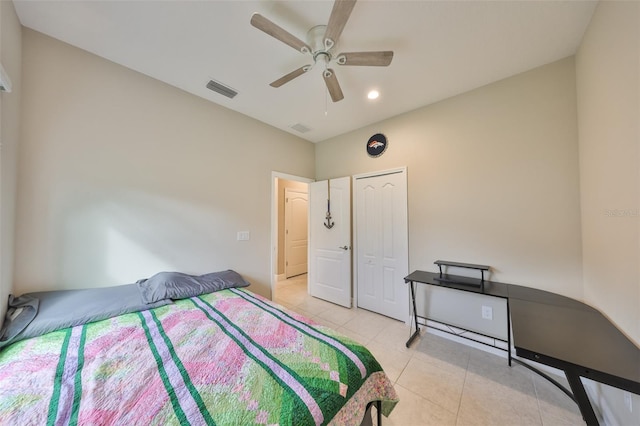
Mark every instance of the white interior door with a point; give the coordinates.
(330, 248)
(382, 257)
(295, 238)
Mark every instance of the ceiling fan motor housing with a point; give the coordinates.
(315, 40)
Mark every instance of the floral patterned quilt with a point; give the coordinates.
(224, 358)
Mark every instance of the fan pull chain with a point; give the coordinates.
(326, 103)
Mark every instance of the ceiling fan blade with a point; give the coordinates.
(338, 19)
(333, 86)
(372, 59)
(263, 24)
(293, 74)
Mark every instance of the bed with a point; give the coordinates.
(180, 350)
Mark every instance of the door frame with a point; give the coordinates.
(274, 221)
(354, 239)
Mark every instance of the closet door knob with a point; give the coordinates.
(344, 247)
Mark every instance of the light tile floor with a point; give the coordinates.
(439, 381)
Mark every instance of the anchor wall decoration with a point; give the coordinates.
(328, 224)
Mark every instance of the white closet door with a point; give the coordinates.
(382, 257)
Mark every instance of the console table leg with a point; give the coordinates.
(413, 336)
(509, 333)
(415, 314)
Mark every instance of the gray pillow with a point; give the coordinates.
(67, 308)
(177, 285)
(20, 312)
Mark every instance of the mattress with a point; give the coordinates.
(230, 357)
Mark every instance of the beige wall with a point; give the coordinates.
(608, 84)
(121, 176)
(10, 57)
(492, 177)
(608, 73)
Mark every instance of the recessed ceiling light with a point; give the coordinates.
(373, 94)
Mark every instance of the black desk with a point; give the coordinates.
(575, 338)
(562, 333)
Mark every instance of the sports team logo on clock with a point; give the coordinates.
(376, 145)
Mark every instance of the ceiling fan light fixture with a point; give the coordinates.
(323, 58)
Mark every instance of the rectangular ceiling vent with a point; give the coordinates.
(221, 88)
(300, 128)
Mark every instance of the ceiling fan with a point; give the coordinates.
(321, 40)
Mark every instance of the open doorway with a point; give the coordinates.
(289, 199)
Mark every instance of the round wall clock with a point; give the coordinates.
(376, 145)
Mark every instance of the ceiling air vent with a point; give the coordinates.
(221, 88)
(300, 128)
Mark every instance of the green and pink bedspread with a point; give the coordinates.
(224, 358)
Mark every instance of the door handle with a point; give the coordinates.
(344, 247)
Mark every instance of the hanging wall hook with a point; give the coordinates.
(328, 224)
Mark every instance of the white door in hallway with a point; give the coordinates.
(381, 242)
(295, 223)
(330, 247)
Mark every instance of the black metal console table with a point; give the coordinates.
(560, 332)
(455, 282)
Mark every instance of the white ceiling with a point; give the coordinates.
(442, 48)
